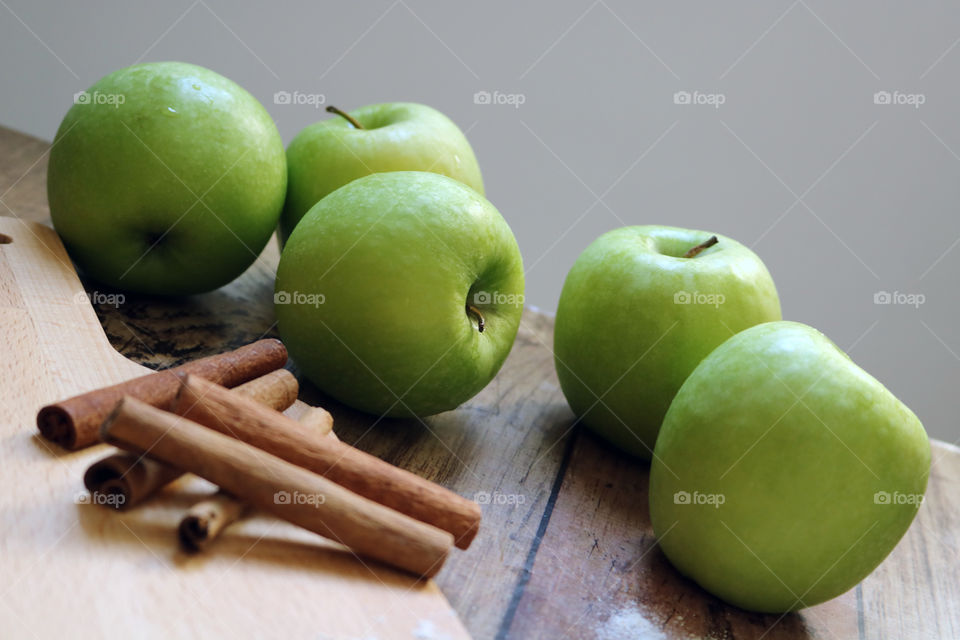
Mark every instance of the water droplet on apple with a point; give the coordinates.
(171, 110)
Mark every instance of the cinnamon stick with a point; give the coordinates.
(205, 521)
(73, 423)
(215, 407)
(275, 485)
(319, 421)
(131, 479)
(278, 390)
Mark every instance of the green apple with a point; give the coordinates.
(636, 316)
(400, 293)
(396, 136)
(784, 473)
(166, 178)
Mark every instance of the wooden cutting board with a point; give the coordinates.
(565, 550)
(72, 569)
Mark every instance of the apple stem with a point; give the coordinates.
(473, 311)
(344, 115)
(706, 244)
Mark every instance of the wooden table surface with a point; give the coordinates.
(566, 548)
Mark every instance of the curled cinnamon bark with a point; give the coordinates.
(74, 423)
(130, 479)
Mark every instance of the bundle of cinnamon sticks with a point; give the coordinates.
(220, 418)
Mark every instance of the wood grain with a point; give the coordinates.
(599, 573)
(565, 548)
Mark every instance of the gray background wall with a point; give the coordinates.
(840, 196)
